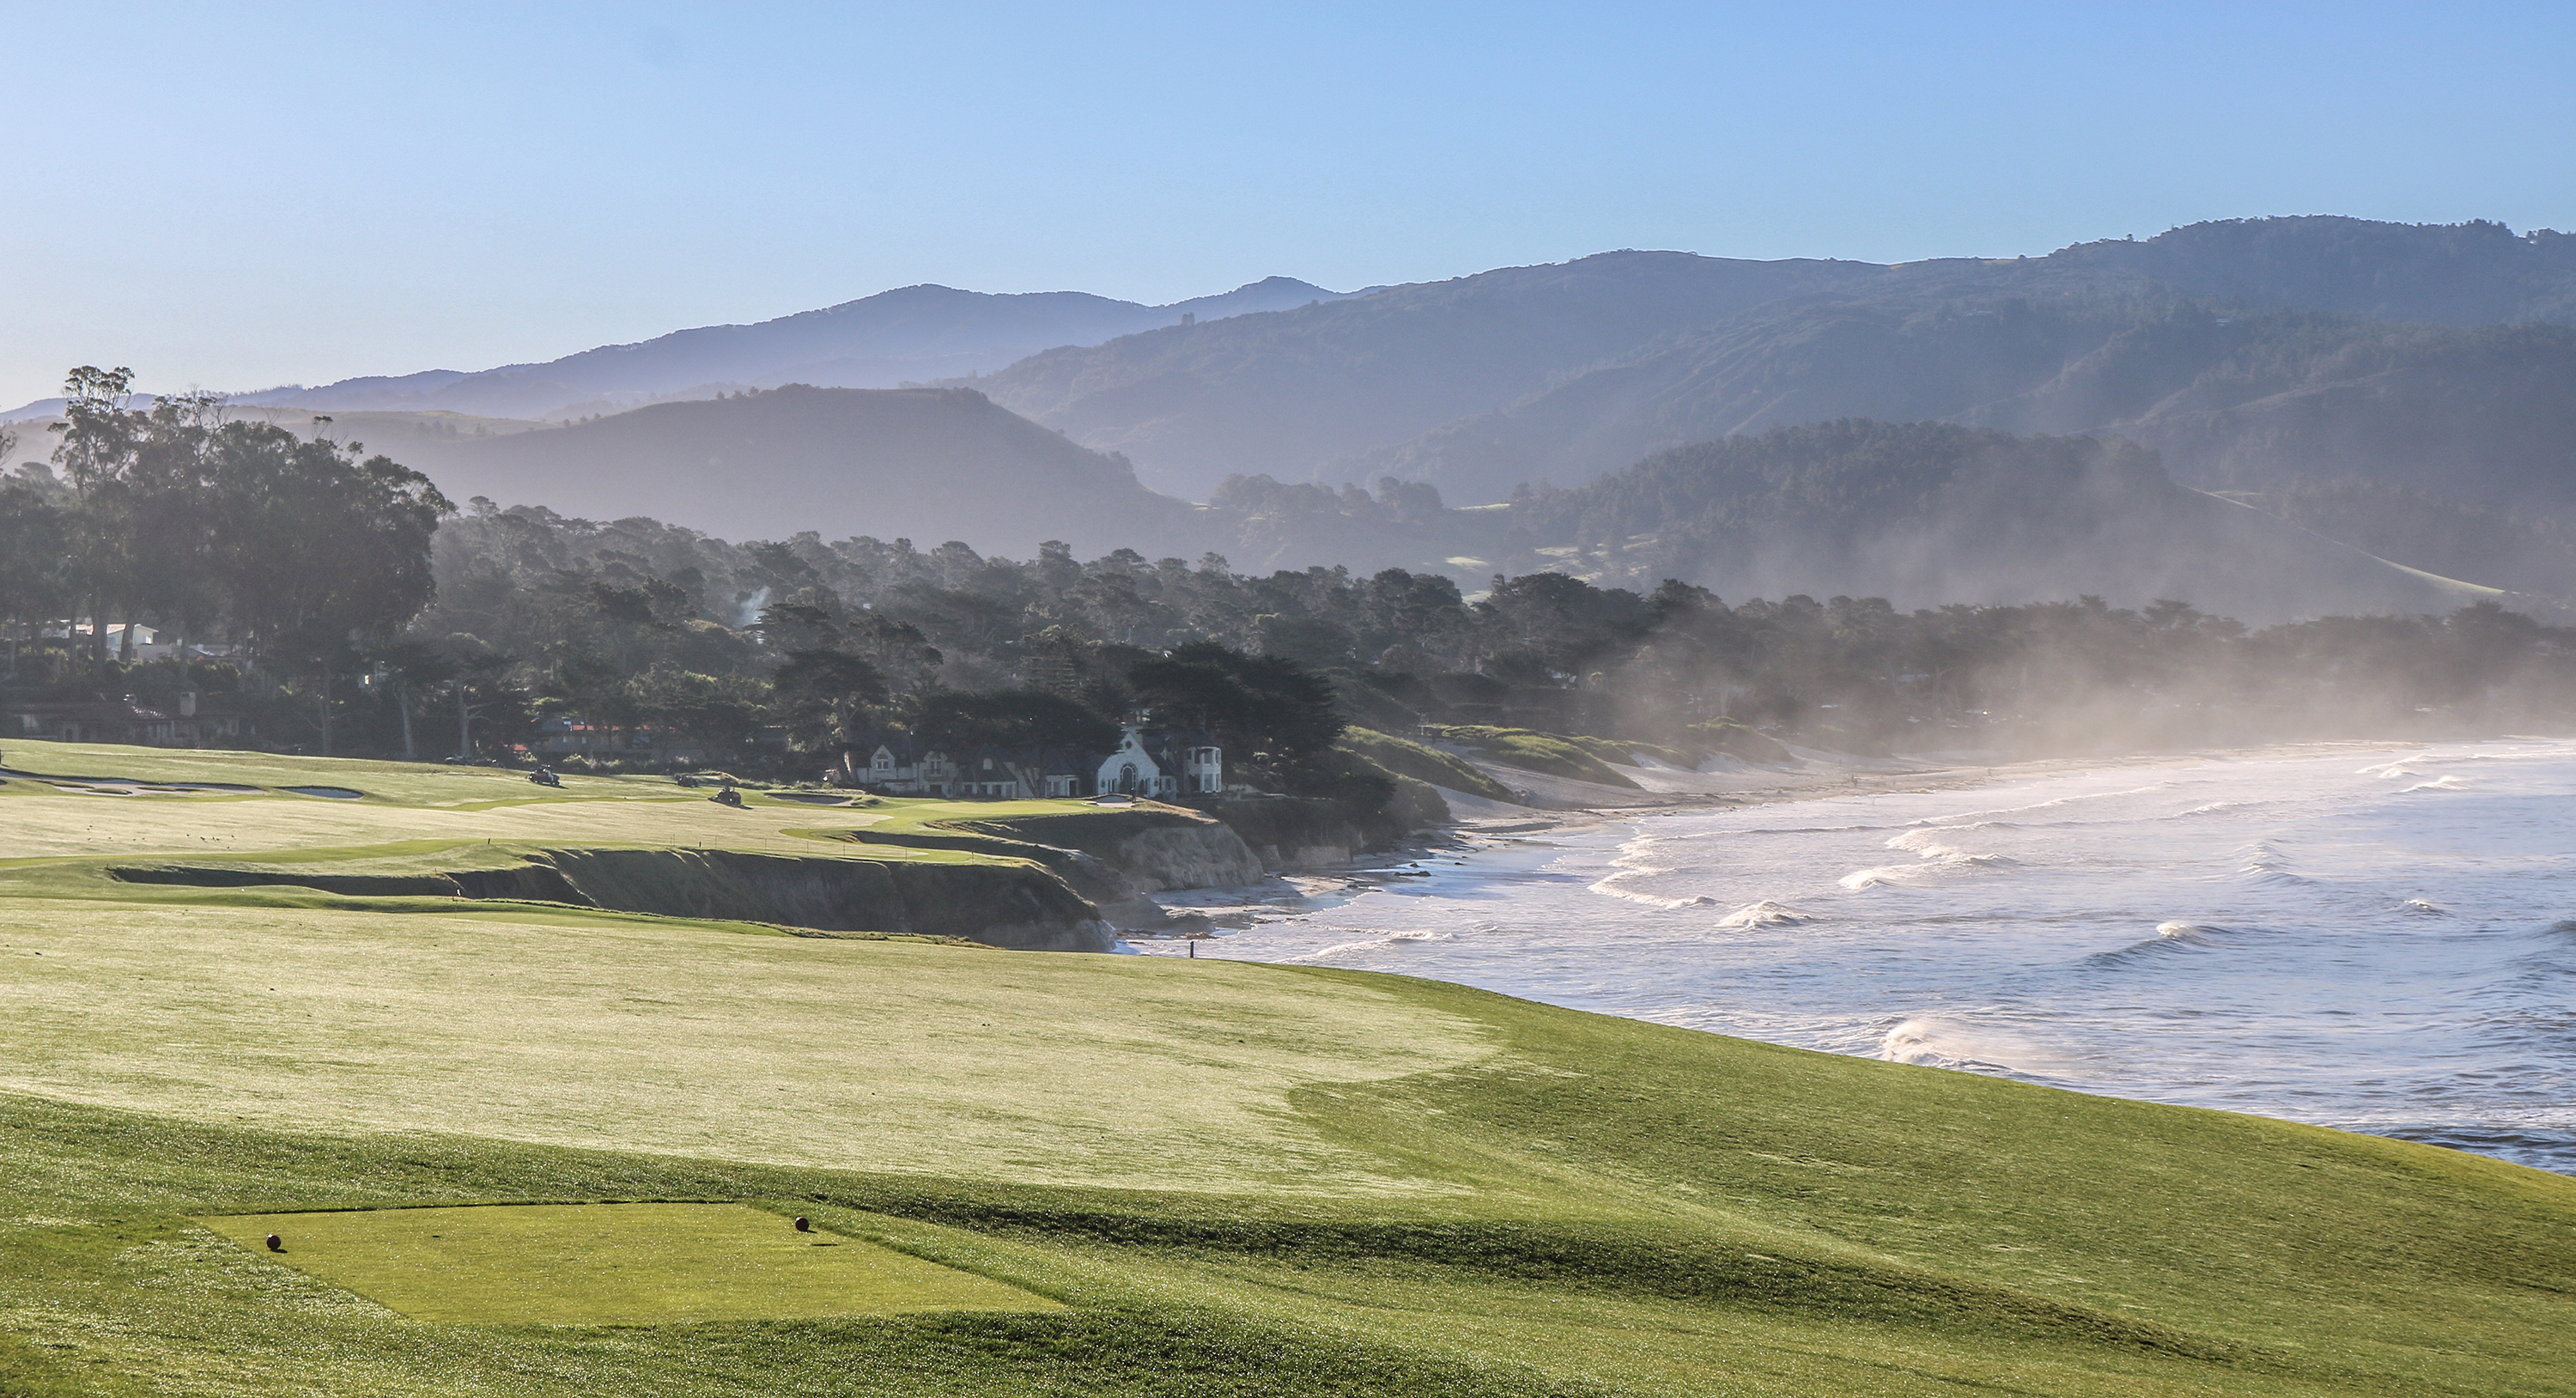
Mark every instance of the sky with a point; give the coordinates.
(236, 196)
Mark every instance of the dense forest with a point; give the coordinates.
(345, 606)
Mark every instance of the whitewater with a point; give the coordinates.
(2376, 939)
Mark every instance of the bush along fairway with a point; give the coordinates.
(533, 1146)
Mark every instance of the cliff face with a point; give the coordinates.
(1060, 882)
(1312, 833)
(1018, 906)
(1004, 905)
(1155, 847)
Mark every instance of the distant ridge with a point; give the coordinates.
(929, 464)
(910, 334)
(1324, 393)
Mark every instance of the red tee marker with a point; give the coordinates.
(802, 1226)
(274, 1245)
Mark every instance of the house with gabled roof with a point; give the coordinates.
(1145, 764)
(1162, 764)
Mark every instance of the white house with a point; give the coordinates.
(1132, 771)
(900, 767)
(1203, 769)
(1162, 766)
(908, 772)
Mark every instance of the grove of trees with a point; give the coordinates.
(304, 554)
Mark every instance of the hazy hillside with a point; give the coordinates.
(2484, 418)
(915, 333)
(1303, 396)
(1285, 393)
(2475, 273)
(1926, 514)
(926, 464)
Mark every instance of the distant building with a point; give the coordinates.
(895, 764)
(898, 766)
(1162, 764)
(149, 644)
(186, 725)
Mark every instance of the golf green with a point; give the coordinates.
(610, 1264)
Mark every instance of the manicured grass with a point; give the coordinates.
(419, 809)
(664, 1036)
(610, 1264)
(1235, 1179)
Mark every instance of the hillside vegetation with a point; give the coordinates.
(1216, 1177)
(2230, 398)
(1667, 348)
(931, 464)
(1927, 513)
(1285, 394)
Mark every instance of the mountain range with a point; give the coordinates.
(2365, 403)
(911, 334)
(1567, 371)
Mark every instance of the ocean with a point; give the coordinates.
(2372, 938)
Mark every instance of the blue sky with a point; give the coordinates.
(234, 196)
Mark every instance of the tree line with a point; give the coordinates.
(361, 612)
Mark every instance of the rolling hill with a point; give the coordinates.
(2483, 416)
(1921, 513)
(2221, 343)
(1285, 394)
(1926, 514)
(925, 463)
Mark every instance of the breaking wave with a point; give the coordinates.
(1934, 1042)
(1634, 865)
(1764, 914)
(2172, 938)
(2266, 864)
(1391, 939)
(1938, 857)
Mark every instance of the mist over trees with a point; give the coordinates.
(635, 621)
(353, 609)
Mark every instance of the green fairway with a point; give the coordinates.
(610, 1264)
(1231, 1179)
(422, 806)
(680, 1039)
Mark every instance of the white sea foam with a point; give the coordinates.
(1634, 869)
